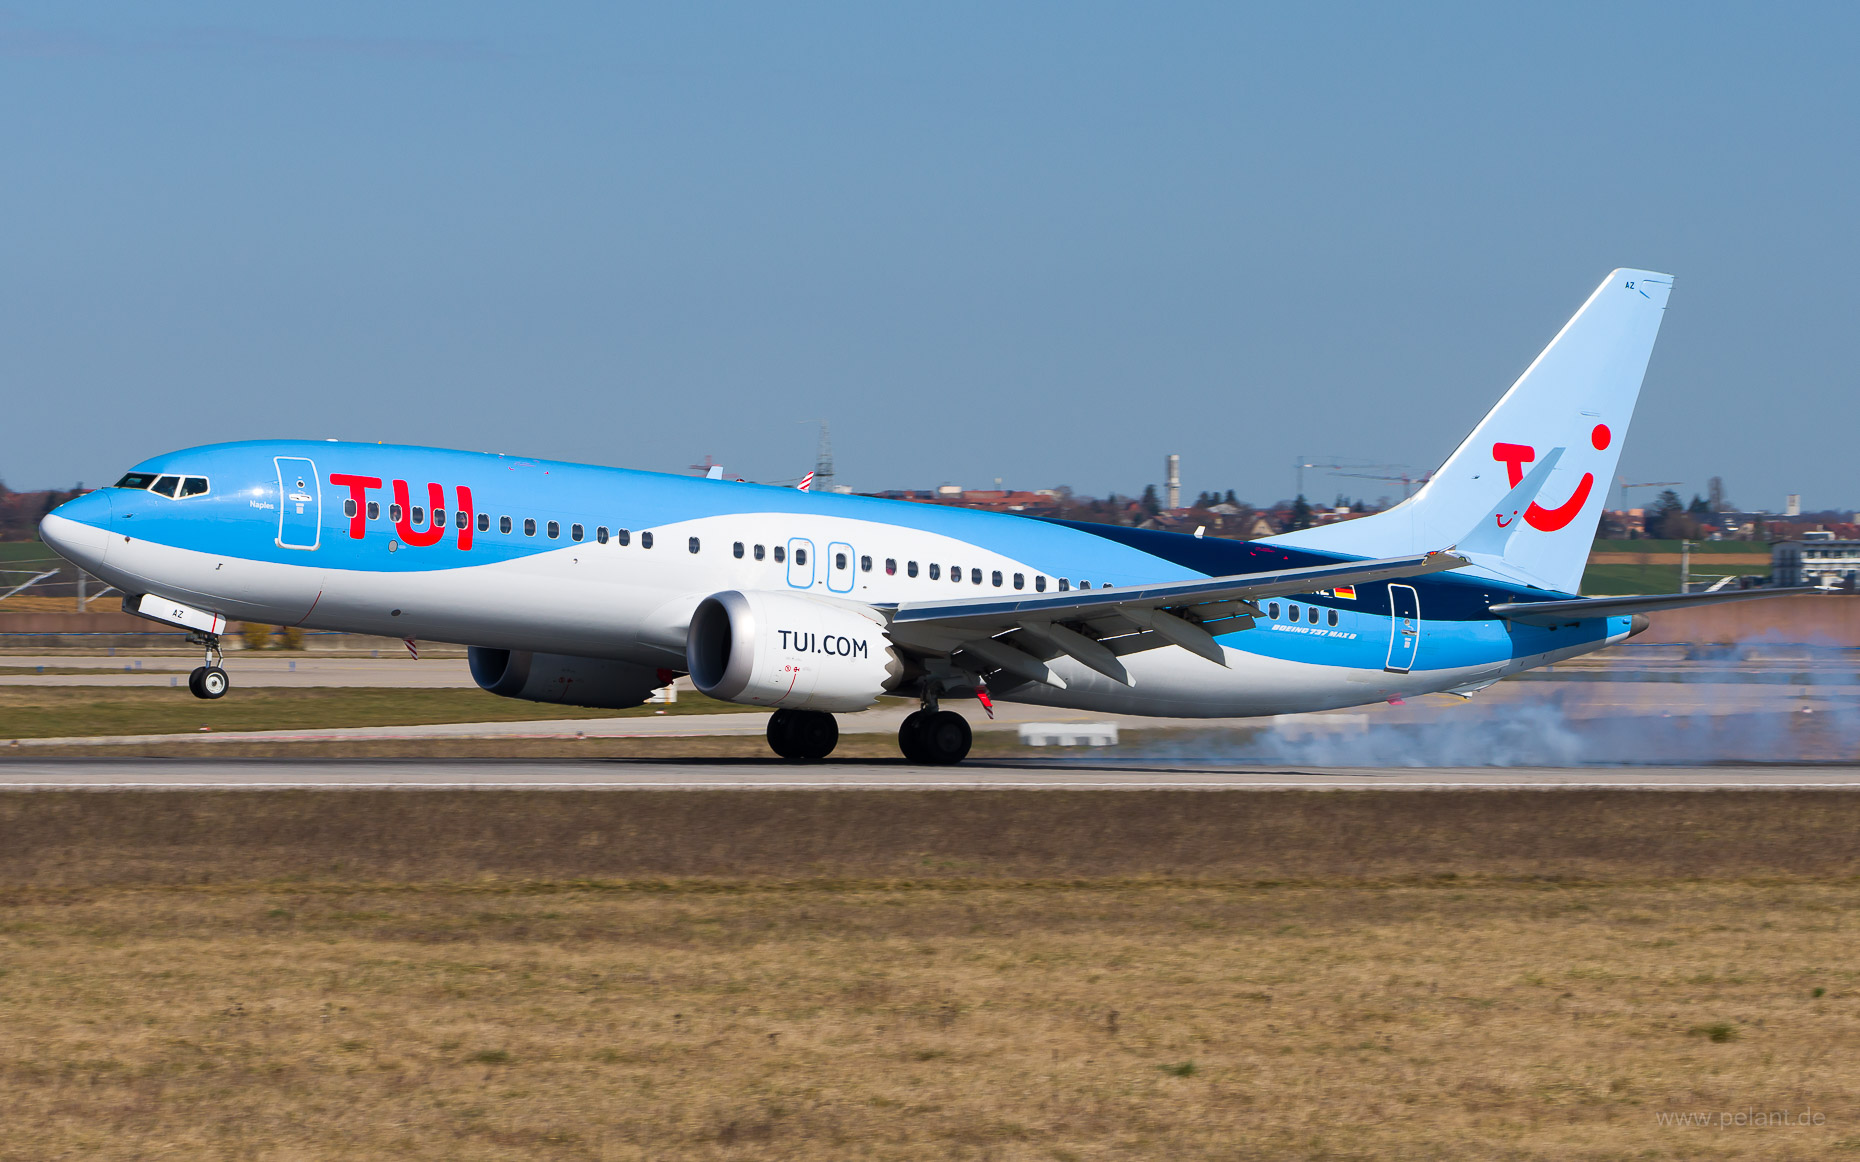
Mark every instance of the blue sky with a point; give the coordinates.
(1047, 243)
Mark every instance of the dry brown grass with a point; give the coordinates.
(900, 975)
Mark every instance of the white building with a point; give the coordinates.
(1816, 559)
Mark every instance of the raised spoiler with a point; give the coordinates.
(1019, 633)
(1579, 608)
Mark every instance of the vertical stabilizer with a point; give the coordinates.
(1578, 395)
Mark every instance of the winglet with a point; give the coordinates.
(1488, 538)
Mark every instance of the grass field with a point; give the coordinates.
(1753, 548)
(1609, 579)
(57, 711)
(953, 975)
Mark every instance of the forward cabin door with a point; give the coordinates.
(1404, 628)
(300, 503)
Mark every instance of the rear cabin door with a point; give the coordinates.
(300, 503)
(1404, 628)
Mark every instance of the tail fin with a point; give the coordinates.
(1579, 395)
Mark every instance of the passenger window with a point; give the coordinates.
(463, 519)
(600, 534)
(936, 571)
(955, 574)
(1065, 584)
(1039, 583)
(484, 522)
(645, 540)
(891, 566)
(865, 565)
(694, 544)
(394, 513)
(166, 485)
(197, 486)
(839, 560)
(574, 532)
(1020, 580)
(997, 573)
(439, 518)
(759, 553)
(781, 554)
(1291, 613)
(419, 515)
(1272, 611)
(624, 537)
(1333, 617)
(1311, 615)
(800, 556)
(374, 510)
(736, 550)
(555, 530)
(503, 524)
(348, 507)
(910, 568)
(529, 526)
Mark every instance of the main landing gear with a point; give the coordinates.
(803, 735)
(208, 681)
(938, 738)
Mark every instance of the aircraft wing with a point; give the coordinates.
(1020, 633)
(1563, 612)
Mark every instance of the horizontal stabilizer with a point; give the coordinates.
(1563, 612)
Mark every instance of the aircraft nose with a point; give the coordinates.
(79, 529)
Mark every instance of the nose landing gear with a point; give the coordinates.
(208, 681)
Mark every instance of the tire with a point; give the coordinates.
(910, 738)
(193, 681)
(945, 738)
(213, 682)
(781, 734)
(815, 734)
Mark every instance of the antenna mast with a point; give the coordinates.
(823, 461)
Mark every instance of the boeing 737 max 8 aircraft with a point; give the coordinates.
(592, 586)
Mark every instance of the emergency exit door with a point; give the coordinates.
(300, 504)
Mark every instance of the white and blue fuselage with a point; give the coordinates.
(514, 554)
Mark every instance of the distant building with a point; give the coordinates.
(1816, 559)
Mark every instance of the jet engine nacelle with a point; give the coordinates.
(596, 682)
(780, 649)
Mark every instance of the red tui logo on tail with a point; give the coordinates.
(1548, 520)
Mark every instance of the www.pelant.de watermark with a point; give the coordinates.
(1747, 1118)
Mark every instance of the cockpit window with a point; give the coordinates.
(194, 486)
(166, 485)
(136, 480)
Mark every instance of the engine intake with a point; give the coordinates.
(779, 649)
(595, 682)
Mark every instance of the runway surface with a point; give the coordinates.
(1058, 774)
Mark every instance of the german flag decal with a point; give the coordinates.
(1347, 592)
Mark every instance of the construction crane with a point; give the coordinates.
(1365, 472)
(1623, 482)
